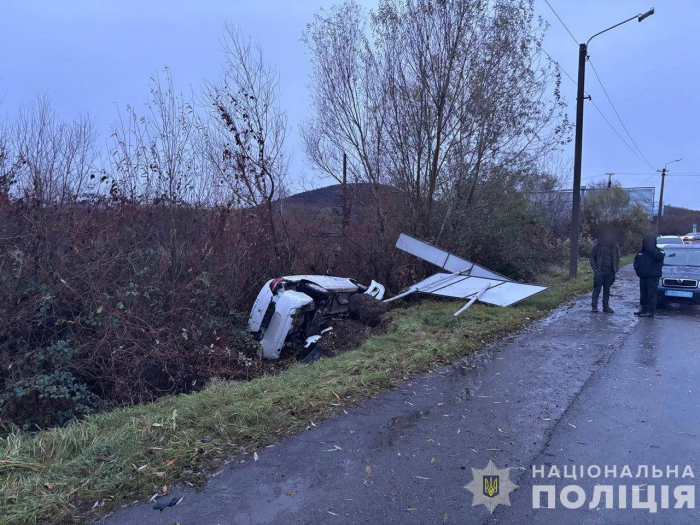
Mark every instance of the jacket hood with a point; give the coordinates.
(649, 242)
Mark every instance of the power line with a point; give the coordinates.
(619, 173)
(599, 111)
(674, 175)
(562, 22)
(668, 173)
(558, 66)
(645, 180)
(631, 173)
(620, 136)
(617, 114)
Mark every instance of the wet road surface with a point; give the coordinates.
(575, 389)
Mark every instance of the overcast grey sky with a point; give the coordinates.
(89, 55)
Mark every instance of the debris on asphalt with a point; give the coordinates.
(162, 506)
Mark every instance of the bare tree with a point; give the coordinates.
(53, 159)
(514, 115)
(7, 163)
(444, 92)
(245, 137)
(154, 155)
(349, 114)
(156, 162)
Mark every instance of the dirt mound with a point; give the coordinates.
(367, 309)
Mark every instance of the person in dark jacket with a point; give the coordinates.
(605, 261)
(648, 264)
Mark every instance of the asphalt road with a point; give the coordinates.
(575, 389)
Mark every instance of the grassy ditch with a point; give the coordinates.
(114, 458)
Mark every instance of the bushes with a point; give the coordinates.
(613, 208)
(43, 390)
(109, 303)
(141, 324)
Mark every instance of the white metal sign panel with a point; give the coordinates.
(426, 252)
(444, 259)
(466, 280)
(463, 288)
(435, 281)
(507, 294)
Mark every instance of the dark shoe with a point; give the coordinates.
(608, 310)
(646, 314)
(594, 308)
(640, 312)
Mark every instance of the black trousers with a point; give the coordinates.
(647, 293)
(602, 280)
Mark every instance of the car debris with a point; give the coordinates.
(465, 280)
(296, 310)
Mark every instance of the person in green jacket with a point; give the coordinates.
(605, 261)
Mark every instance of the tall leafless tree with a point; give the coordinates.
(443, 93)
(245, 137)
(349, 108)
(156, 162)
(154, 154)
(53, 159)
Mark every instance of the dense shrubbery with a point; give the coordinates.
(45, 391)
(92, 303)
(105, 303)
(130, 278)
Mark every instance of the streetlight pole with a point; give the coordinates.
(578, 147)
(661, 195)
(578, 142)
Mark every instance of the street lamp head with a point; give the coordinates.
(645, 15)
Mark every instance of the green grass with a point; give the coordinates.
(57, 475)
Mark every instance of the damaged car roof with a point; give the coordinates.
(339, 284)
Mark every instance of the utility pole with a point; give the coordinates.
(344, 197)
(578, 150)
(661, 202)
(578, 144)
(609, 179)
(661, 195)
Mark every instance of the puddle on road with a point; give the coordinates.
(399, 424)
(273, 500)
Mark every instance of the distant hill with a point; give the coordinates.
(323, 207)
(332, 196)
(678, 221)
(359, 195)
(326, 197)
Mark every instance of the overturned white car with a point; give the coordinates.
(296, 311)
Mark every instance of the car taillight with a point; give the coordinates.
(275, 283)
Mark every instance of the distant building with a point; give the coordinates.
(558, 202)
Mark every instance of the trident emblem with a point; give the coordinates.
(490, 486)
